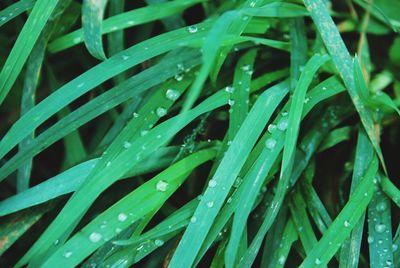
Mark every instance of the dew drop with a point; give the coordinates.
(317, 261)
(270, 143)
(370, 239)
(81, 85)
(179, 77)
(193, 219)
(306, 100)
(380, 228)
(346, 224)
(283, 124)
(125, 57)
(172, 94)
(210, 204)
(161, 111)
(381, 206)
(192, 29)
(127, 144)
(394, 247)
(231, 102)
(122, 217)
(281, 260)
(118, 230)
(271, 128)
(67, 254)
(108, 164)
(245, 67)
(135, 115)
(324, 88)
(389, 262)
(95, 237)
(229, 89)
(212, 183)
(56, 242)
(284, 113)
(158, 242)
(162, 186)
(144, 132)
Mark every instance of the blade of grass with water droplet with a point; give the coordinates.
(241, 90)
(350, 252)
(15, 10)
(127, 158)
(125, 20)
(148, 197)
(344, 65)
(341, 227)
(92, 18)
(301, 221)
(115, 96)
(23, 46)
(380, 231)
(390, 190)
(90, 79)
(226, 173)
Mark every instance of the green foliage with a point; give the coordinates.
(199, 133)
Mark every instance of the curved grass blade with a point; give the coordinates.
(344, 65)
(391, 190)
(350, 252)
(335, 137)
(380, 231)
(148, 197)
(124, 20)
(225, 175)
(127, 158)
(341, 227)
(113, 97)
(15, 10)
(22, 48)
(92, 18)
(90, 79)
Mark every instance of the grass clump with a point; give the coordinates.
(195, 133)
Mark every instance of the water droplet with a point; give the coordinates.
(389, 262)
(394, 247)
(229, 89)
(192, 29)
(56, 242)
(370, 239)
(161, 111)
(229, 200)
(162, 186)
(281, 260)
(179, 77)
(135, 115)
(67, 254)
(245, 18)
(283, 124)
(380, 228)
(212, 183)
(118, 230)
(346, 224)
(270, 143)
(144, 132)
(253, 4)
(193, 219)
(77, 40)
(317, 261)
(245, 67)
(172, 94)
(231, 102)
(284, 113)
(324, 88)
(237, 182)
(122, 217)
(271, 128)
(158, 242)
(381, 206)
(81, 85)
(108, 164)
(210, 204)
(127, 144)
(125, 57)
(95, 237)
(306, 100)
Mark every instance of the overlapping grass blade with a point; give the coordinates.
(92, 19)
(23, 46)
(335, 137)
(344, 65)
(124, 20)
(341, 227)
(225, 175)
(298, 50)
(350, 252)
(113, 97)
(149, 197)
(128, 157)
(90, 79)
